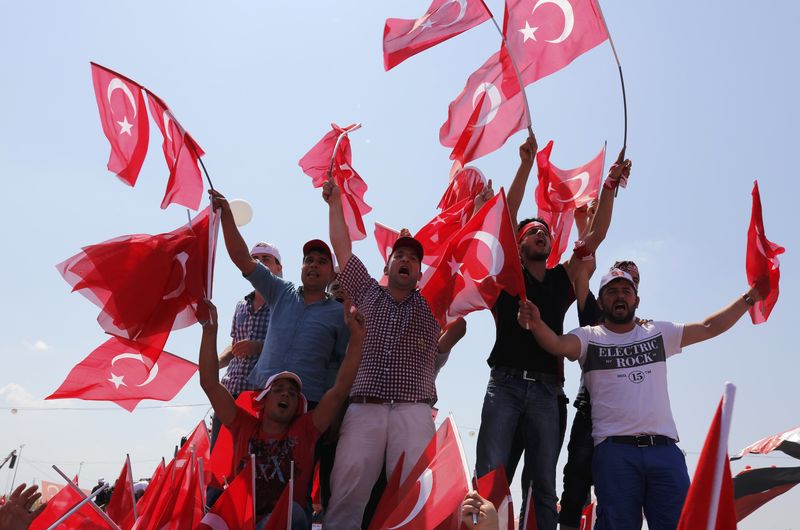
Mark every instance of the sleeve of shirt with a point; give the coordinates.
(267, 284)
(355, 279)
(583, 336)
(673, 334)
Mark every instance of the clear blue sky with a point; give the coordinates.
(712, 95)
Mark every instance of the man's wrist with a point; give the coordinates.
(749, 300)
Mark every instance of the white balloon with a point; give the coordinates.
(242, 211)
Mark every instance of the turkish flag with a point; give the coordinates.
(435, 234)
(762, 261)
(316, 163)
(486, 113)
(187, 508)
(388, 499)
(544, 37)
(788, 442)
(466, 183)
(444, 19)
(235, 507)
(119, 371)
(709, 502)
(434, 493)
(560, 224)
(123, 116)
(120, 507)
(480, 260)
(145, 285)
(588, 517)
(152, 494)
(753, 488)
(67, 498)
(199, 443)
(385, 238)
(494, 487)
(185, 184)
(281, 516)
(567, 189)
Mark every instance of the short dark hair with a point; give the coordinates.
(524, 222)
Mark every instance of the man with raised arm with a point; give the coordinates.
(524, 397)
(273, 424)
(636, 465)
(391, 399)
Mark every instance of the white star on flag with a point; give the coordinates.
(117, 380)
(528, 32)
(125, 127)
(454, 265)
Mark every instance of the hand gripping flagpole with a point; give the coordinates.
(516, 71)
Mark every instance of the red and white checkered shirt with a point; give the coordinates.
(400, 342)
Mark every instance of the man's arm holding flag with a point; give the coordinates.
(340, 237)
(527, 155)
(234, 243)
(208, 363)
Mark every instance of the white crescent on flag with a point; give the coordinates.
(425, 488)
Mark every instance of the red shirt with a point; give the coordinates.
(274, 454)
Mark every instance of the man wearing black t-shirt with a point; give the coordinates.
(526, 381)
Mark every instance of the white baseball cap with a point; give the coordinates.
(266, 249)
(616, 274)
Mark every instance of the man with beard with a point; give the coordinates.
(636, 463)
(524, 398)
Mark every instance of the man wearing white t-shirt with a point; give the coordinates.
(636, 465)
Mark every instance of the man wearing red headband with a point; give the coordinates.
(524, 398)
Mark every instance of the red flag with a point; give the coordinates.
(567, 189)
(548, 37)
(388, 500)
(119, 371)
(435, 235)
(385, 238)
(467, 183)
(435, 493)
(235, 507)
(529, 517)
(709, 502)
(316, 488)
(788, 442)
(152, 494)
(185, 185)
(444, 19)
(145, 285)
(123, 116)
(753, 488)
(316, 163)
(67, 498)
(494, 487)
(481, 259)
(762, 261)
(187, 509)
(120, 507)
(588, 517)
(487, 112)
(281, 516)
(200, 443)
(560, 224)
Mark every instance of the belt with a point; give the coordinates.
(643, 440)
(530, 375)
(381, 401)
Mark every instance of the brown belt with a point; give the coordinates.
(381, 401)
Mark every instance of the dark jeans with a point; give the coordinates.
(629, 479)
(578, 470)
(532, 406)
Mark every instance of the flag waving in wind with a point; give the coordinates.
(444, 19)
(185, 184)
(123, 116)
(762, 261)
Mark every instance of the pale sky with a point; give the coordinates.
(712, 98)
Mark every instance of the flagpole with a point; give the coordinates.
(344, 133)
(722, 453)
(621, 157)
(133, 494)
(516, 71)
(291, 496)
(96, 508)
(79, 506)
(252, 483)
(202, 165)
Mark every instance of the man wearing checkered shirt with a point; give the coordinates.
(394, 390)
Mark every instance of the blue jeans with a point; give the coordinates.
(531, 405)
(629, 479)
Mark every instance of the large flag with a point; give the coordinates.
(753, 488)
(121, 507)
(546, 35)
(436, 233)
(762, 261)
(185, 184)
(123, 116)
(86, 518)
(709, 502)
(145, 285)
(467, 183)
(486, 113)
(316, 164)
(480, 260)
(560, 192)
(788, 442)
(120, 371)
(436, 492)
(235, 508)
(444, 19)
